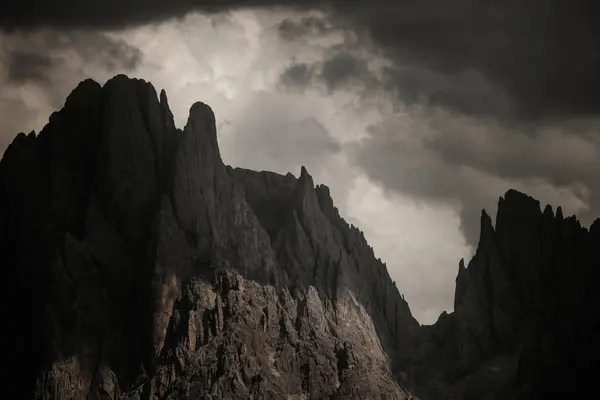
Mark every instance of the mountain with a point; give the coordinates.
(526, 323)
(136, 265)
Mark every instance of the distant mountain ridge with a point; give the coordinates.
(143, 267)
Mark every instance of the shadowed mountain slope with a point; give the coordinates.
(136, 265)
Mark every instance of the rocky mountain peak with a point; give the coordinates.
(201, 122)
(160, 263)
(486, 232)
(144, 268)
(523, 307)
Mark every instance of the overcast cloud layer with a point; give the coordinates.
(416, 114)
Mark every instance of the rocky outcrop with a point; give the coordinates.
(233, 338)
(136, 265)
(313, 245)
(527, 308)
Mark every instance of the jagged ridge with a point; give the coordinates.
(131, 209)
(527, 308)
(146, 268)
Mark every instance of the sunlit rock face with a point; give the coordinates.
(137, 265)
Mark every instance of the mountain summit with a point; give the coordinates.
(136, 265)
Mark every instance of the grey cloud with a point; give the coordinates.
(35, 55)
(24, 66)
(14, 113)
(512, 82)
(543, 54)
(304, 26)
(399, 160)
(467, 165)
(285, 140)
(297, 75)
(564, 156)
(560, 156)
(112, 54)
(342, 69)
(525, 61)
(118, 13)
(466, 91)
(41, 67)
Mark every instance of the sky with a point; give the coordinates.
(417, 114)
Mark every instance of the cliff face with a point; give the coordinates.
(136, 265)
(148, 268)
(527, 308)
(314, 246)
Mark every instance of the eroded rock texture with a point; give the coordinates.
(136, 265)
(228, 337)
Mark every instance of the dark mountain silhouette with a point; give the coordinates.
(136, 265)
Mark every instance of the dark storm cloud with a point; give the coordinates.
(506, 75)
(544, 54)
(116, 13)
(338, 71)
(466, 91)
(343, 68)
(565, 156)
(467, 163)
